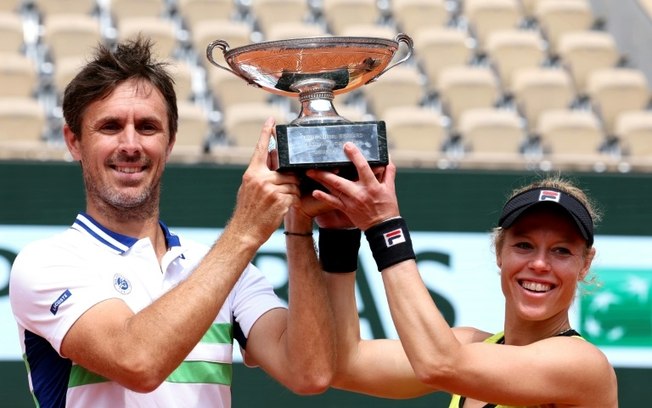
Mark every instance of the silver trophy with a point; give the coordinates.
(315, 70)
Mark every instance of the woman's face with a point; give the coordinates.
(542, 258)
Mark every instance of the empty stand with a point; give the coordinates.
(340, 14)
(294, 30)
(235, 33)
(10, 5)
(582, 52)
(193, 130)
(412, 16)
(616, 90)
(22, 122)
(441, 47)
(18, 76)
(490, 131)
(634, 130)
(413, 129)
(487, 16)
(269, 13)
(196, 11)
(539, 89)
(229, 89)
(69, 35)
(557, 17)
(162, 32)
(369, 30)
(12, 37)
(400, 86)
(414, 135)
(182, 73)
(120, 9)
(467, 87)
(49, 8)
(243, 122)
(510, 50)
(566, 132)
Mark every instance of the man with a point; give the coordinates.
(119, 311)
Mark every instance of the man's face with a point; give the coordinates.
(123, 148)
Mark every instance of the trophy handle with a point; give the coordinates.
(224, 46)
(400, 38)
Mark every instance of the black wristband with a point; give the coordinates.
(390, 242)
(338, 249)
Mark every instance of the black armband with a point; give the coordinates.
(390, 242)
(338, 249)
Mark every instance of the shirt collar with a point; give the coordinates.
(114, 241)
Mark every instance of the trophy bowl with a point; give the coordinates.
(314, 70)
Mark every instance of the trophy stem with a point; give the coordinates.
(316, 97)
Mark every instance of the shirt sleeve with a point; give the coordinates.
(253, 296)
(51, 286)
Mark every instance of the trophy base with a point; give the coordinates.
(321, 146)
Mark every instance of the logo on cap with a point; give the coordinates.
(549, 195)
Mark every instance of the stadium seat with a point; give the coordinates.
(557, 17)
(467, 87)
(22, 122)
(369, 30)
(616, 90)
(441, 47)
(235, 33)
(229, 89)
(412, 16)
(411, 128)
(539, 89)
(18, 76)
(415, 135)
(120, 9)
(294, 30)
(182, 72)
(491, 131)
(340, 14)
(269, 13)
(193, 130)
(582, 52)
(70, 35)
(400, 86)
(634, 131)
(161, 31)
(196, 11)
(509, 50)
(243, 122)
(48, 8)
(12, 37)
(10, 6)
(487, 16)
(566, 132)
(64, 71)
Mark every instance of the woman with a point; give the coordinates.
(544, 247)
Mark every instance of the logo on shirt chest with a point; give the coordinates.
(121, 284)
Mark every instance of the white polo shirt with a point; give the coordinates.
(55, 280)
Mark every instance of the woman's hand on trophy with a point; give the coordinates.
(366, 201)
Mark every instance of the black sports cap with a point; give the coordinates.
(522, 201)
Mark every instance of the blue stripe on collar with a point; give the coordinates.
(118, 243)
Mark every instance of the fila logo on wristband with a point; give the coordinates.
(394, 237)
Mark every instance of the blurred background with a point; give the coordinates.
(496, 93)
